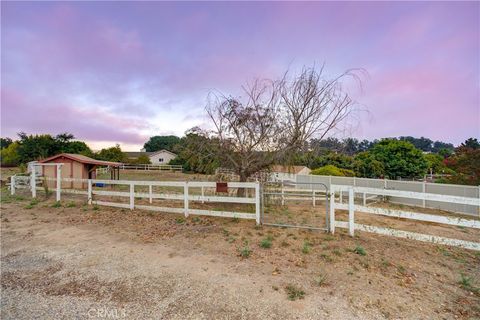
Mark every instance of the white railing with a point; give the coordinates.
(186, 195)
(148, 167)
(448, 220)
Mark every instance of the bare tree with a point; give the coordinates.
(275, 119)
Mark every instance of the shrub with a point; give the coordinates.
(245, 251)
(306, 247)
(266, 243)
(331, 170)
(360, 250)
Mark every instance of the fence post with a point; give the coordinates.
(332, 210)
(257, 202)
(283, 195)
(12, 185)
(150, 193)
(341, 196)
(351, 212)
(185, 198)
(132, 195)
(423, 190)
(33, 182)
(314, 202)
(203, 194)
(89, 191)
(364, 199)
(59, 180)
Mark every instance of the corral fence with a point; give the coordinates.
(143, 167)
(352, 207)
(186, 197)
(309, 181)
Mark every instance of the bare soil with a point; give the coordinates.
(64, 262)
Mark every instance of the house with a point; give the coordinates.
(158, 157)
(281, 173)
(75, 166)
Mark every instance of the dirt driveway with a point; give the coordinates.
(85, 262)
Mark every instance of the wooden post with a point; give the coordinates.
(132, 196)
(33, 182)
(150, 193)
(89, 191)
(283, 195)
(203, 194)
(341, 197)
(332, 211)
(351, 212)
(423, 190)
(313, 196)
(59, 180)
(364, 199)
(185, 198)
(12, 185)
(257, 202)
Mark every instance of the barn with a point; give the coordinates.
(75, 166)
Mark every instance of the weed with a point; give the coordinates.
(245, 252)
(29, 206)
(266, 243)
(385, 263)
(307, 247)
(96, 207)
(56, 204)
(236, 220)
(196, 219)
(466, 283)
(401, 269)
(180, 220)
(337, 252)
(226, 233)
(19, 198)
(360, 250)
(294, 293)
(231, 239)
(34, 202)
(326, 257)
(71, 204)
(320, 280)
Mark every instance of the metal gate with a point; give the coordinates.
(296, 205)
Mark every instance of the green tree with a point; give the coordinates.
(5, 142)
(400, 158)
(114, 154)
(9, 155)
(471, 143)
(365, 165)
(36, 147)
(466, 164)
(143, 159)
(436, 163)
(158, 143)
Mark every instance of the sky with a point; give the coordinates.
(122, 72)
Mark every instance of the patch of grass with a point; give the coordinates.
(56, 204)
(196, 219)
(245, 251)
(266, 243)
(307, 247)
(466, 283)
(294, 293)
(34, 202)
(235, 220)
(337, 252)
(444, 251)
(180, 220)
(326, 257)
(71, 204)
(19, 198)
(29, 206)
(320, 280)
(96, 207)
(401, 269)
(360, 250)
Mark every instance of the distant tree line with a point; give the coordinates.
(385, 158)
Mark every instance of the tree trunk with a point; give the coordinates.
(241, 191)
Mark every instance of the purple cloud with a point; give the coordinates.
(120, 72)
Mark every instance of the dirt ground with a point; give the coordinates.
(78, 261)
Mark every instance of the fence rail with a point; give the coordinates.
(442, 190)
(352, 207)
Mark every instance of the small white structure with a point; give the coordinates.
(282, 173)
(161, 157)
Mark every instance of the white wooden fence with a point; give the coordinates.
(186, 196)
(352, 207)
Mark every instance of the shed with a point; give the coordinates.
(76, 166)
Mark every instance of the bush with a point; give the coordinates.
(331, 170)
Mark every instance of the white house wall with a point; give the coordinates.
(161, 158)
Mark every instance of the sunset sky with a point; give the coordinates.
(121, 72)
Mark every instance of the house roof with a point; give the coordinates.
(160, 151)
(288, 169)
(82, 159)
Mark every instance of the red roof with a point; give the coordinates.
(82, 159)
